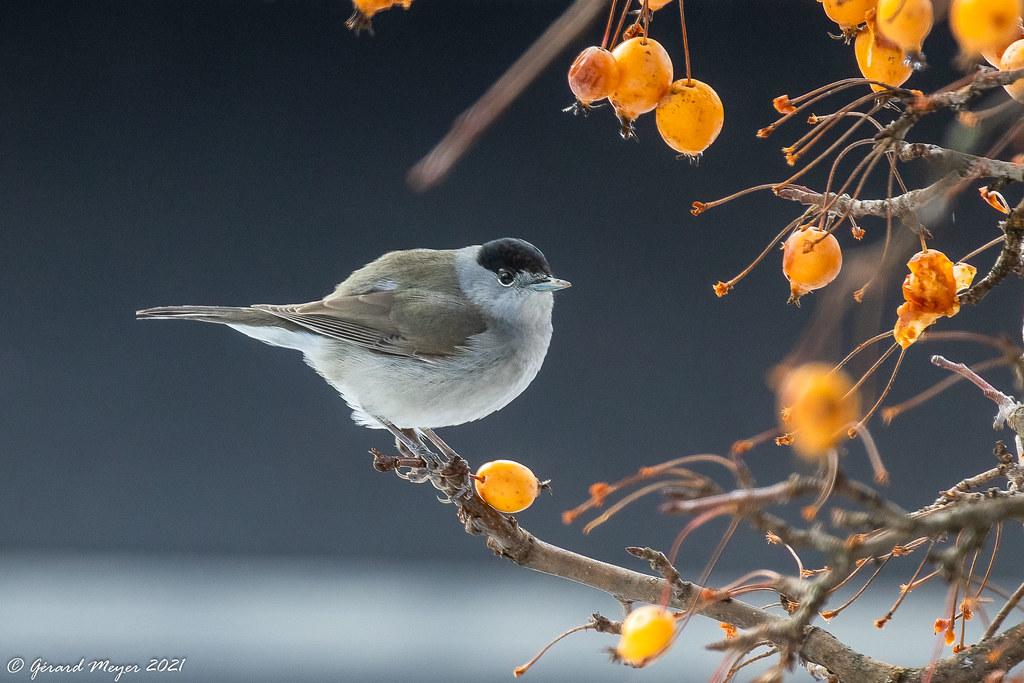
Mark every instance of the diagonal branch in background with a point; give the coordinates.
(470, 124)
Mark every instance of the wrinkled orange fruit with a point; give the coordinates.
(1013, 59)
(905, 23)
(983, 25)
(690, 116)
(593, 75)
(818, 406)
(994, 55)
(646, 632)
(929, 293)
(808, 263)
(848, 13)
(506, 485)
(645, 73)
(880, 61)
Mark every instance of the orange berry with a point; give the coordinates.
(646, 632)
(690, 116)
(506, 485)
(1013, 59)
(930, 292)
(819, 406)
(808, 263)
(880, 61)
(645, 74)
(995, 54)
(981, 25)
(363, 11)
(593, 75)
(655, 5)
(848, 13)
(905, 23)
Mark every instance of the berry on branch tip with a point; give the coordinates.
(646, 633)
(645, 74)
(593, 75)
(820, 404)
(690, 116)
(811, 259)
(506, 485)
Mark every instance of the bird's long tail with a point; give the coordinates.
(225, 315)
(252, 322)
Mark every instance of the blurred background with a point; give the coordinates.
(183, 491)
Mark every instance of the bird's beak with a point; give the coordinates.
(549, 284)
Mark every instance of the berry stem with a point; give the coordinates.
(686, 43)
(618, 27)
(608, 26)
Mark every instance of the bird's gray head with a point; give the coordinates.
(509, 279)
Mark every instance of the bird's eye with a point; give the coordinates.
(506, 277)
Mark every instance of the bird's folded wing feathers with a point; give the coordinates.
(408, 322)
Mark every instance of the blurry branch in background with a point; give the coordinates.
(470, 124)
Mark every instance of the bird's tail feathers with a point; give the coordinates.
(225, 315)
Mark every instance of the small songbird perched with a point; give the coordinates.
(417, 339)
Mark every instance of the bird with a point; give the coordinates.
(417, 339)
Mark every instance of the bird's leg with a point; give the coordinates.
(439, 443)
(408, 442)
(466, 487)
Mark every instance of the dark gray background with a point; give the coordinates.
(238, 152)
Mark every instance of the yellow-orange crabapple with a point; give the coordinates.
(1013, 59)
(645, 74)
(880, 61)
(818, 405)
(811, 259)
(848, 13)
(506, 485)
(370, 7)
(905, 23)
(984, 25)
(690, 116)
(646, 633)
(994, 55)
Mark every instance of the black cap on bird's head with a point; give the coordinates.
(514, 255)
(517, 262)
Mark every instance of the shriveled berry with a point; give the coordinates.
(929, 293)
(593, 75)
(690, 116)
(646, 632)
(811, 259)
(506, 485)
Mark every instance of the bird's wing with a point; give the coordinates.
(392, 320)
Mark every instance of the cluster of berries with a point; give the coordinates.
(635, 76)
(889, 35)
